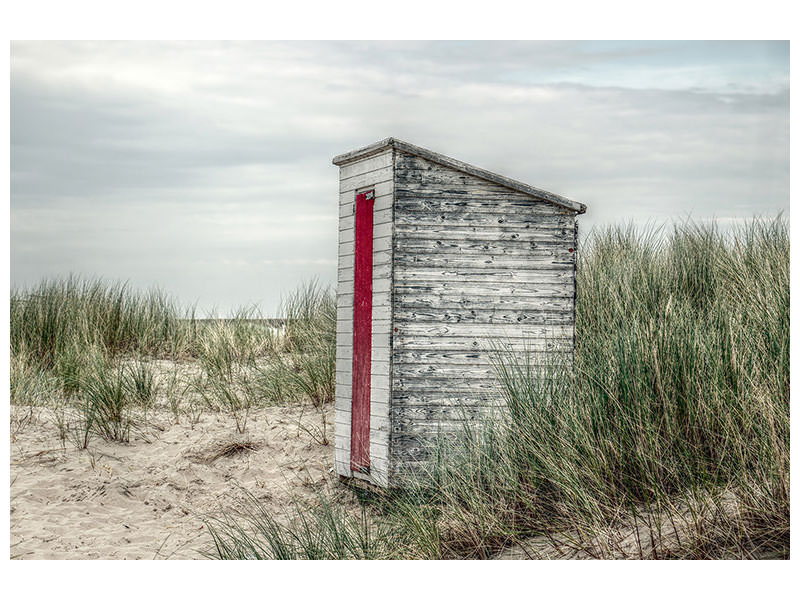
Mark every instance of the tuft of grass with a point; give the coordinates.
(174, 390)
(228, 449)
(28, 385)
(233, 394)
(305, 364)
(324, 531)
(222, 344)
(107, 395)
(143, 383)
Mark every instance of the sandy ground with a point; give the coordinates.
(147, 499)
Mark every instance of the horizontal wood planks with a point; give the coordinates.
(455, 166)
(464, 268)
(374, 173)
(477, 268)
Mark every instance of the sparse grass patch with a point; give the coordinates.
(106, 396)
(96, 340)
(228, 449)
(304, 367)
(232, 394)
(325, 530)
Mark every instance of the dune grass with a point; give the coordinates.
(679, 393)
(308, 357)
(63, 316)
(668, 437)
(325, 530)
(304, 364)
(93, 343)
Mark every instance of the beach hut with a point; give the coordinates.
(439, 263)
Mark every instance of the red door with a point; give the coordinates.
(362, 333)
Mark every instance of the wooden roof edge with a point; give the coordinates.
(458, 165)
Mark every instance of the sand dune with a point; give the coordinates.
(147, 499)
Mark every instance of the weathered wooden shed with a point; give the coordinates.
(438, 262)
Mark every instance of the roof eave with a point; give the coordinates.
(361, 153)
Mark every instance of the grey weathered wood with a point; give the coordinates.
(504, 317)
(468, 266)
(483, 234)
(454, 357)
(482, 220)
(476, 268)
(475, 203)
(469, 329)
(545, 302)
(406, 291)
(472, 246)
(458, 166)
(366, 180)
(544, 274)
(379, 161)
(448, 372)
(435, 412)
(538, 258)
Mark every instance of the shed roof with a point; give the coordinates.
(378, 147)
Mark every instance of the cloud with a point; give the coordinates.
(205, 167)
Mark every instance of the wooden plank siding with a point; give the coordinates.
(374, 172)
(467, 265)
(476, 267)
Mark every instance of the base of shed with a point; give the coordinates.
(362, 485)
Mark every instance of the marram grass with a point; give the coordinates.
(667, 437)
(87, 345)
(679, 387)
(62, 316)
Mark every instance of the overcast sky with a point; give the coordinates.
(204, 168)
